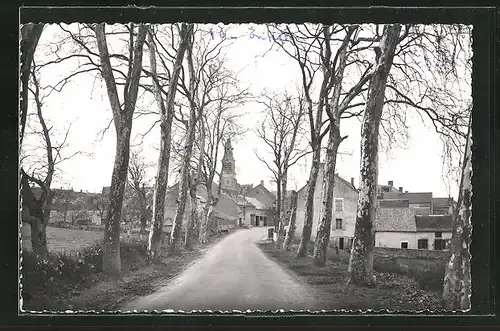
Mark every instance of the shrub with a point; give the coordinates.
(431, 278)
(389, 266)
(46, 282)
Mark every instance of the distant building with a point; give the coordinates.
(401, 228)
(344, 210)
(238, 205)
(443, 206)
(412, 220)
(225, 212)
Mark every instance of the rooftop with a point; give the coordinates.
(434, 222)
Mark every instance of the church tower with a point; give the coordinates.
(228, 175)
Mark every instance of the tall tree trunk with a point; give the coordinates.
(290, 232)
(309, 210)
(324, 227)
(361, 260)
(191, 226)
(166, 118)
(111, 246)
(66, 205)
(143, 221)
(457, 280)
(282, 211)
(175, 238)
(36, 220)
(30, 35)
(207, 213)
(123, 126)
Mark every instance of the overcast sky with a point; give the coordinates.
(417, 166)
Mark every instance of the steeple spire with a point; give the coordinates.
(228, 163)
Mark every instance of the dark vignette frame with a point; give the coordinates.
(486, 126)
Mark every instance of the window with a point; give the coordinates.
(438, 234)
(338, 224)
(339, 204)
(423, 244)
(404, 244)
(439, 244)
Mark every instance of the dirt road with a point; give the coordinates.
(232, 275)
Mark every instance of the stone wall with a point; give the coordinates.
(410, 253)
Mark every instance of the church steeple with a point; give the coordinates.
(228, 163)
(228, 175)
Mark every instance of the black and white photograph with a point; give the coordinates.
(202, 167)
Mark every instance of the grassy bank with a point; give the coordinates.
(395, 290)
(73, 280)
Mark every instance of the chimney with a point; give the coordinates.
(390, 183)
(262, 182)
(400, 189)
(352, 181)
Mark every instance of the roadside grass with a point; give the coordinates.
(408, 288)
(46, 284)
(72, 278)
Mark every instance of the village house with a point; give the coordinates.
(344, 210)
(401, 228)
(256, 204)
(412, 220)
(224, 215)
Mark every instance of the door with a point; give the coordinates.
(341, 243)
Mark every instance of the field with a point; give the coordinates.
(61, 240)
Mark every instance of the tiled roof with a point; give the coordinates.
(227, 206)
(395, 220)
(442, 205)
(337, 179)
(394, 203)
(434, 222)
(413, 197)
(256, 203)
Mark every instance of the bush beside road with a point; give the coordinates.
(72, 278)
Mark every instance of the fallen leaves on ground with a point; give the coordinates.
(394, 292)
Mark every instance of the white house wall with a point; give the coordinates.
(430, 236)
(394, 239)
(348, 215)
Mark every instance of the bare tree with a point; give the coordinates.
(188, 149)
(122, 117)
(219, 124)
(207, 82)
(137, 180)
(311, 47)
(30, 35)
(98, 202)
(39, 207)
(457, 280)
(166, 118)
(361, 260)
(302, 47)
(290, 232)
(282, 134)
(337, 107)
